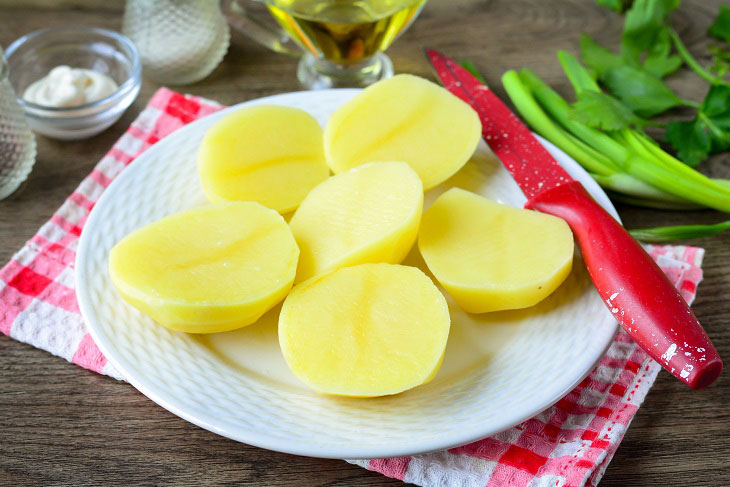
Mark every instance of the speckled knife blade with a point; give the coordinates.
(531, 166)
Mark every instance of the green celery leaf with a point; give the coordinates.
(599, 110)
(597, 57)
(720, 60)
(643, 24)
(720, 29)
(708, 133)
(715, 115)
(690, 140)
(646, 95)
(660, 61)
(619, 6)
(717, 102)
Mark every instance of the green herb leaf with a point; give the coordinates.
(720, 29)
(720, 60)
(716, 105)
(597, 57)
(644, 31)
(715, 116)
(644, 94)
(599, 110)
(659, 61)
(708, 133)
(644, 21)
(690, 140)
(619, 6)
(469, 66)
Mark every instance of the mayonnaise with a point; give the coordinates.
(69, 87)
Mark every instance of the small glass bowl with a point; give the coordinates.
(32, 56)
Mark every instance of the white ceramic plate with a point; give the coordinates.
(499, 368)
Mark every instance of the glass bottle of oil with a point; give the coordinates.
(341, 41)
(345, 31)
(344, 40)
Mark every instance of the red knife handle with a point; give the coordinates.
(634, 288)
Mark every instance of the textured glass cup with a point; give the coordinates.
(17, 144)
(179, 41)
(341, 41)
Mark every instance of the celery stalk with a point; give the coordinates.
(665, 179)
(559, 109)
(638, 189)
(539, 121)
(673, 163)
(655, 204)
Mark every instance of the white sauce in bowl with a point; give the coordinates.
(64, 86)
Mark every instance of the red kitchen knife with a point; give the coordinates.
(632, 286)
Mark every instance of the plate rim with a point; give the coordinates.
(132, 375)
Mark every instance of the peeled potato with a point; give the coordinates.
(404, 118)
(368, 214)
(493, 257)
(269, 154)
(368, 330)
(210, 269)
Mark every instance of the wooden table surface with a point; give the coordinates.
(63, 425)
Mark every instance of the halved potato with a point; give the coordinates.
(208, 269)
(269, 154)
(368, 214)
(367, 330)
(404, 118)
(493, 257)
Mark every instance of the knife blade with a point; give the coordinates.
(633, 287)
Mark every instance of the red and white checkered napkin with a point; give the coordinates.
(569, 444)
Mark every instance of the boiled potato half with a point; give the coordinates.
(269, 154)
(367, 214)
(210, 269)
(367, 330)
(493, 257)
(404, 118)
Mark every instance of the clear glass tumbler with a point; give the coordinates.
(179, 41)
(17, 143)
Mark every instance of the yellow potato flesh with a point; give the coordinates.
(368, 214)
(493, 257)
(404, 118)
(210, 269)
(367, 330)
(269, 154)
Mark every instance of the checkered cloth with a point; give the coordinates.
(569, 444)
